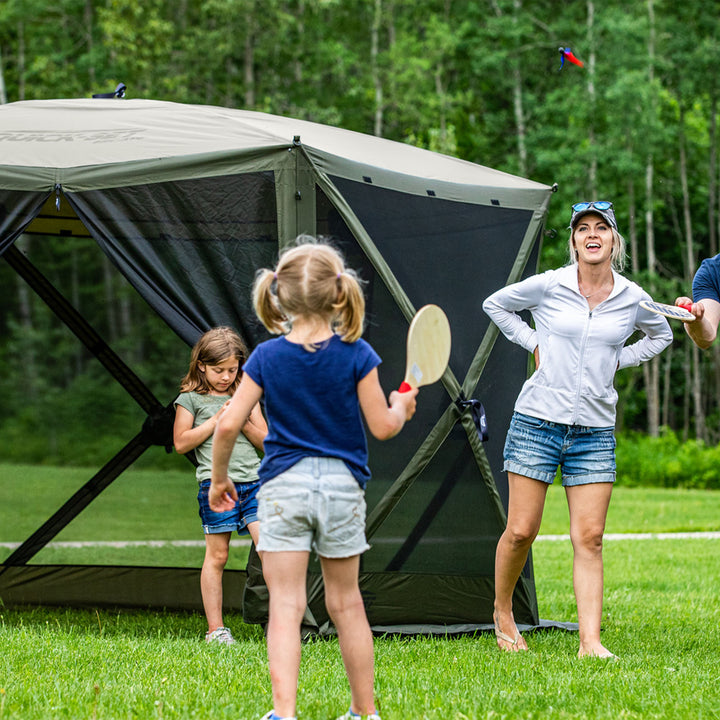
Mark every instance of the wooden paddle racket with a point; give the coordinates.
(428, 348)
(677, 312)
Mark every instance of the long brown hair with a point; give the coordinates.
(213, 347)
(310, 279)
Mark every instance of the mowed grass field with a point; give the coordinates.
(661, 615)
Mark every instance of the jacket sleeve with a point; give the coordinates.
(658, 336)
(504, 304)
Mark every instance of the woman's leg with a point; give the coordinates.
(216, 555)
(588, 506)
(284, 574)
(347, 611)
(525, 508)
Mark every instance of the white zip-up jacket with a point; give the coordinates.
(580, 349)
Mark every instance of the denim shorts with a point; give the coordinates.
(315, 505)
(244, 512)
(535, 448)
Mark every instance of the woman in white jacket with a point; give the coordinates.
(565, 413)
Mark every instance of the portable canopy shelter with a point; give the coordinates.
(187, 202)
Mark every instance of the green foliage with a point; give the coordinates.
(666, 461)
(479, 79)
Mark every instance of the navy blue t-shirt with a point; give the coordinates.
(311, 402)
(706, 283)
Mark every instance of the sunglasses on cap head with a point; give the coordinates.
(594, 205)
(604, 208)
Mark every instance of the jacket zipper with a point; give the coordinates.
(581, 361)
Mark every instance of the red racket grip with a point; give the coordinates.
(404, 387)
(686, 306)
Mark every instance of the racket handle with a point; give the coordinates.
(404, 387)
(686, 306)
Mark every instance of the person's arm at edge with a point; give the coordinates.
(255, 429)
(382, 420)
(703, 329)
(222, 493)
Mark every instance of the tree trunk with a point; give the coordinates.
(520, 125)
(592, 173)
(634, 259)
(21, 60)
(3, 94)
(110, 299)
(651, 369)
(377, 80)
(700, 432)
(712, 178)
(25, 313)
(88, 21)
(249, 70)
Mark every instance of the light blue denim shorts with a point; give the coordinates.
(536, 448)
(315, 505)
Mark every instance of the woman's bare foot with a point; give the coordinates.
(596, 650)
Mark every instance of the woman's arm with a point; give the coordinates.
(504, 304)
(384, 422)
(657, 336)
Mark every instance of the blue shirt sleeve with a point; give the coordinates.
(706, 283)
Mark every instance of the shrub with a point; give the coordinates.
(665, 461)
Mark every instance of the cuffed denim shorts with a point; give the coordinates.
(315, 505)
(237, 519)
(535, 448)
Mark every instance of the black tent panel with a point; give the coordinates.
(190, 248)
(17, 210)
(113, 586)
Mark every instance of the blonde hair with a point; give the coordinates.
(213, 347)
(617, 257)
(310, 279)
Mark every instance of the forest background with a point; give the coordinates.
(477, 79)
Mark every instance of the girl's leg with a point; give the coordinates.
(525, 507)
(216, 555)
(588, 506)
(254, 530)
(347, 611)
(284, 574)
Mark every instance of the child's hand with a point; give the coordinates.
(222, 495)
(406, 402)
(221, 410)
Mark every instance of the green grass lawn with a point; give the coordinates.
(661, 615)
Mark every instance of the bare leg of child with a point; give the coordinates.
(347, 611)
(284, 574)
(216, 555)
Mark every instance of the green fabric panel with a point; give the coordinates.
(113, 586)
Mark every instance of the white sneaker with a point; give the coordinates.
(272, 716)
(350, 715)
(220, 635)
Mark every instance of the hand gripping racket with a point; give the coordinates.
(677, 312)
(428, 348)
